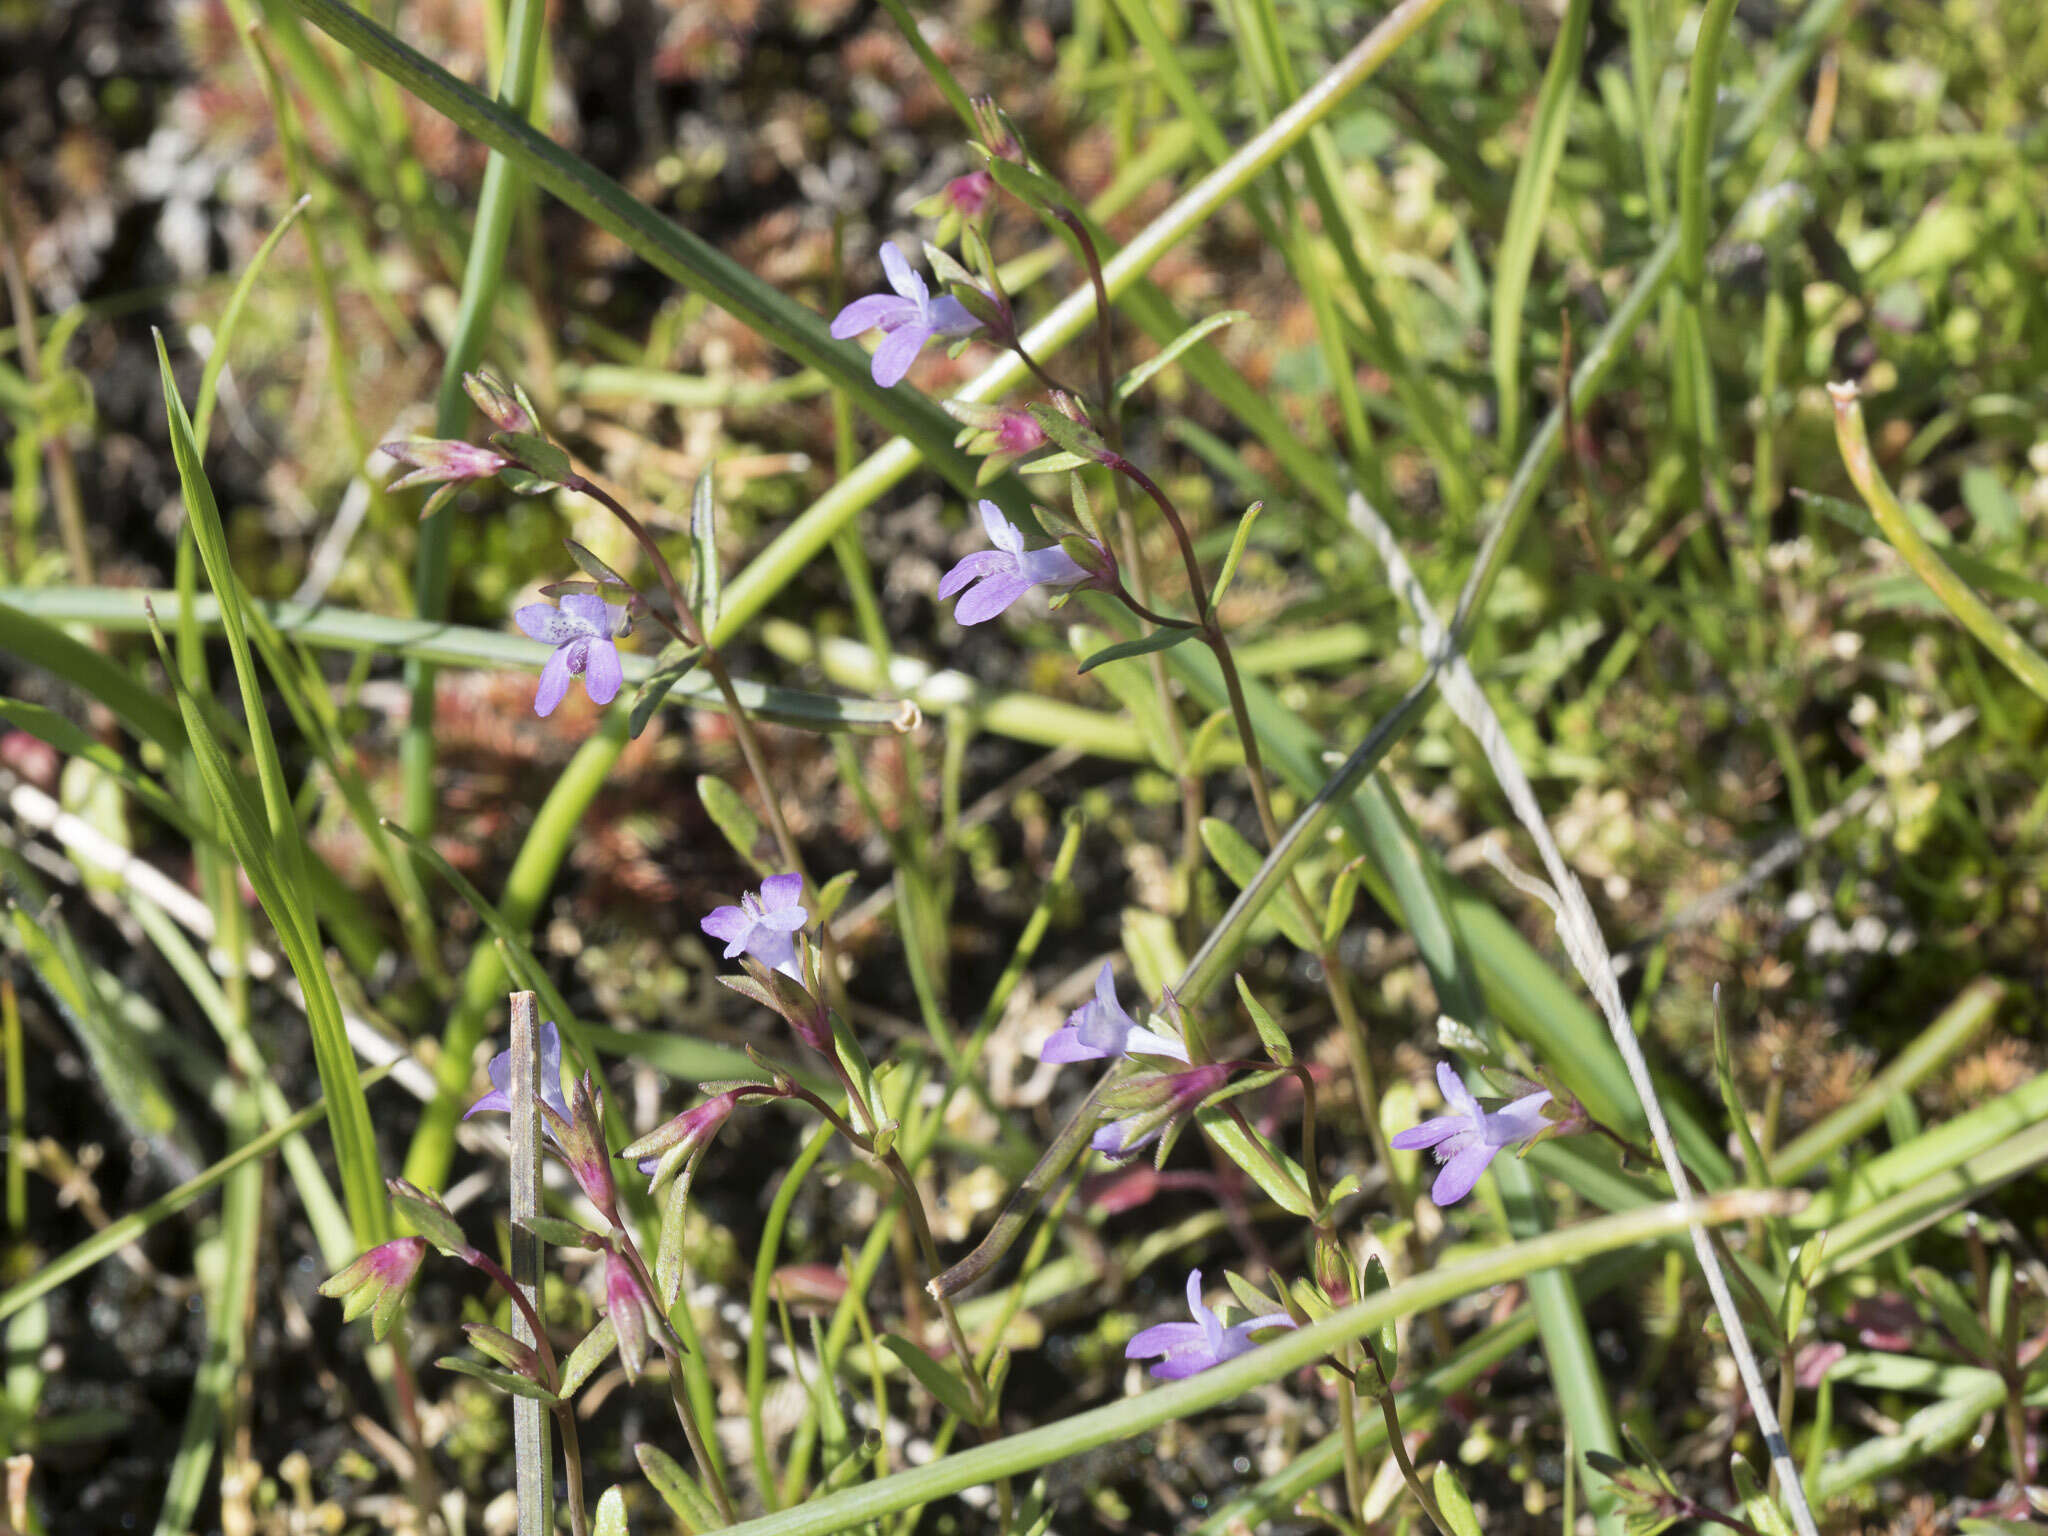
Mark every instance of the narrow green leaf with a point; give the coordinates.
(1386, 1344)
(591, 566)
(1258, 1156)
(1158, 640)
(611, 1515)
(558, 1233)
(1452, 1502)
(1143, 374)
(730, 814)
(230, 317)
(1238, 541)
(1957, 1312)
(675, 663)
(943, 1384)
(590, 1352)
(678, 1490)
(1271, 1035)
(1528, 206)
(31, 641)
(1761, 1508)
(504, 1381)
(1238, 859)
(706, 583)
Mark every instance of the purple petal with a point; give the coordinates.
(1163, 1338)
(1211, 1325)
(989, 598)
(947, 316)
(551, 1069)
(729, 925)
(602, 672)
(1000, 530)
(554, 683)
(496, 1101)
(590, 613)
(1456, 1094)
(983, 562)
(897, 352)
(1429, 1133)
(782, 893)
(1052, 567)
(1109, 1139)
(1144, 1042)
(1519, 1120)
(902, 276)
(1065, 1044)
(1181, 1366)
(873, 312)
(1455, 1182)
(546, 623)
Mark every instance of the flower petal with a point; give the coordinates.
(603, 672)
(1517, 1121)
(1065, 1044)
(947, 316)
(783, 893)
(497, 1100)
(554, 683)
(871, 312)
(1000, 530)
(546, 623)
(1455, 1182)
(897, 352)
(1163, 1338)
(983, 562)
(903, 277)
(1455, 1093)
(989, 598)
(1144, 1042)
(590, 613)
(1429, 1133)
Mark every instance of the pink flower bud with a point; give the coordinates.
(625, 1302)
(970, 194)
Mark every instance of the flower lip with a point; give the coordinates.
(1187, 1349)
(990, 580)
(1100, 1029)
(908, 319)
(1466, 1141)
(583, 630)
(763, 924)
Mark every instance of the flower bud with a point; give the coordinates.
(581, 1143)
(505, 405)
(625, 1303)
(377, 1282)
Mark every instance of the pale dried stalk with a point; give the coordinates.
(1583, 942)
(533, 1461)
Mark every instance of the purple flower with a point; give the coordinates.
(1154, 1103)
(995, 578)
(674, 1141)
(764, 924)
(554, 1105)
(1100, 1029)
(1467, 1139)
(583, 632)
(907, 319)
(1188, 1348)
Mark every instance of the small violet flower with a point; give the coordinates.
(1185, 1349)
(1467, 1139)
(995, 578)
(554, 1105)
(584, 632)
(764, 924)
(907, 319)
(1100, 1029)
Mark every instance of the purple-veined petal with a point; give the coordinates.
(1429, 1133)
(603, 672)
(546, 623)
(871, 312)
(983, 562)
(902, 276)
(897, 352)
(947, 316)
(590, 613)
(1455, 1182)
(554, 683)
(988, 598)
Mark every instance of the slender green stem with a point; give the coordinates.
(920, 1223)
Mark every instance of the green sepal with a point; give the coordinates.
(533, 453)
(594, 568)
(1249, 1296)
(1057, 463)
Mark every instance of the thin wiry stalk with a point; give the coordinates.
(1587, 947)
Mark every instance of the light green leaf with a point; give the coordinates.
(1143, 374)
(1158, 640)
(1451, 1500)
(1271, 1035)
(943, 1384)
